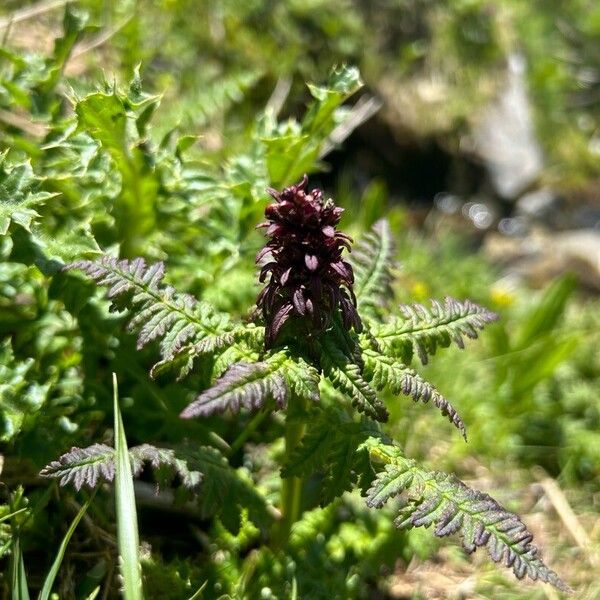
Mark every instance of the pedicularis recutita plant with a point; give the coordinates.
(325, 339)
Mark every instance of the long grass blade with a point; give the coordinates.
(94, 593)
(12, 514)
(198, 593)
(18, 577)
(127, 528)
(53, 572)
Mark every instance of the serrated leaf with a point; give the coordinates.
(422, 330)
(346, 376)
(20, 196)
(83, 466)
(88, 466)
(224, 490)
(386, 372)
(106, 117)
(244, 385)
(331, 447)
(372, 260)
(445, 502)
(178, 320)
(303, 379)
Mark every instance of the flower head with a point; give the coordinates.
(308, 279)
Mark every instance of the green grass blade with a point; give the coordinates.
(18, 577)
(12, 514)
(198, 593)
(53, 572)
(127, 529)
(94, 593)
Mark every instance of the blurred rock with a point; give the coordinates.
(504, 136)
(539, 205)
(543, 255)
(586, 216)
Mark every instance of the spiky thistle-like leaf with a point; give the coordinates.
(244, 385)
(19, 195)
(347, 377)
(442, 500)
(88, 466)
(387, 372)
(178, 320)
(372, 260)
(423, 330)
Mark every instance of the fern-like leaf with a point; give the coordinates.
(161, 458)
(244, 385)
(372, 260)
(330, 447)
(245, 340)
(347, 377)
(442, 500)
(303, 379)
(83, 466)
(225, 491)
(178, 320)
(88, 466)
(423, 330)
(386, 372)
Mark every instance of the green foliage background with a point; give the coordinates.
(159, 142)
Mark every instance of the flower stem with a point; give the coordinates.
(256, 420)
(291, 487)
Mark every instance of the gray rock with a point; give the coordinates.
(539, 204)
(504, 136)
(543, 255)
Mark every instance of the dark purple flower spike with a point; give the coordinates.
(307, 277)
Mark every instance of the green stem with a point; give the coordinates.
(291, 487)
(256, 420)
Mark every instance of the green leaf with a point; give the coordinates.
(547, 314)
(19, 589)
(93, 594)
(292, 149)
(74, 23)
(331, 447)
(247, 385)
(12, 514)
(198, 593)
(372, 260)
(19, 195)
(108, 117)
(182, 323)
(88, 466)
(50, 253)
(387, 372)
(20, 395)
(423, 330)
(442, 500)
(225, 491)
(346, 376)
(127, 527)
(83, 466)
(53, 572)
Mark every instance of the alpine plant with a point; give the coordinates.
(309, 281)
(325, 345)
